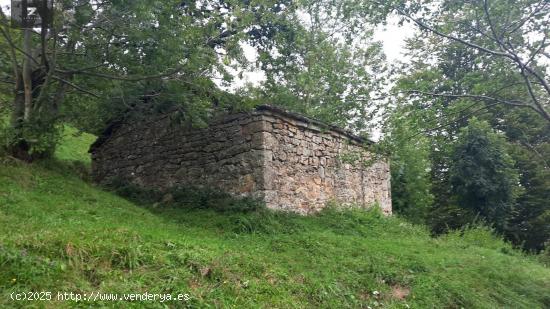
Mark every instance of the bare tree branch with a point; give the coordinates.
(66, 82)
(454, 120)
(496, 36)
(124, 78)
(543, 112)
(540, 6)
(12, 44)
(27, 75)
(450, 37)
(483, 98)
(13, 57)
(50, 65)
(507, 50)
(74, 71)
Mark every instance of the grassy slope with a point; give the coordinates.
(59, 233)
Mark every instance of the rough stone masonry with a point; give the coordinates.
(287, 160)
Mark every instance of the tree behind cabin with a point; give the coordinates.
(482, 175)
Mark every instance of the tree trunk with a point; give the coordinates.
(18, 104)
(27, 72)
(21, 144)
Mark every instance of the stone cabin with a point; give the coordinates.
(288, 161)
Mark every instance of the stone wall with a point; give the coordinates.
(289, 161)
(160, 153)
(308, 165)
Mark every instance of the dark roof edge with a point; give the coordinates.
(300, 117)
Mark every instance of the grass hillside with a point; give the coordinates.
(61, 233)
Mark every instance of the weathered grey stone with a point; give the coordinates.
(290, 162)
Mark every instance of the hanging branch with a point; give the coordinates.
(123, 78)
(64, 81)
(506, 51)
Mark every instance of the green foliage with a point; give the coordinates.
(529, 223)
(409, 166)
(34, 140)
(443, 66)
(119, 56)
(328, 74)
(482, 174)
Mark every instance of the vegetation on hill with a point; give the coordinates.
(453, 83)
(61, 233)
(468, 61)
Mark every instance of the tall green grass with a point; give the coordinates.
(61, 233)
